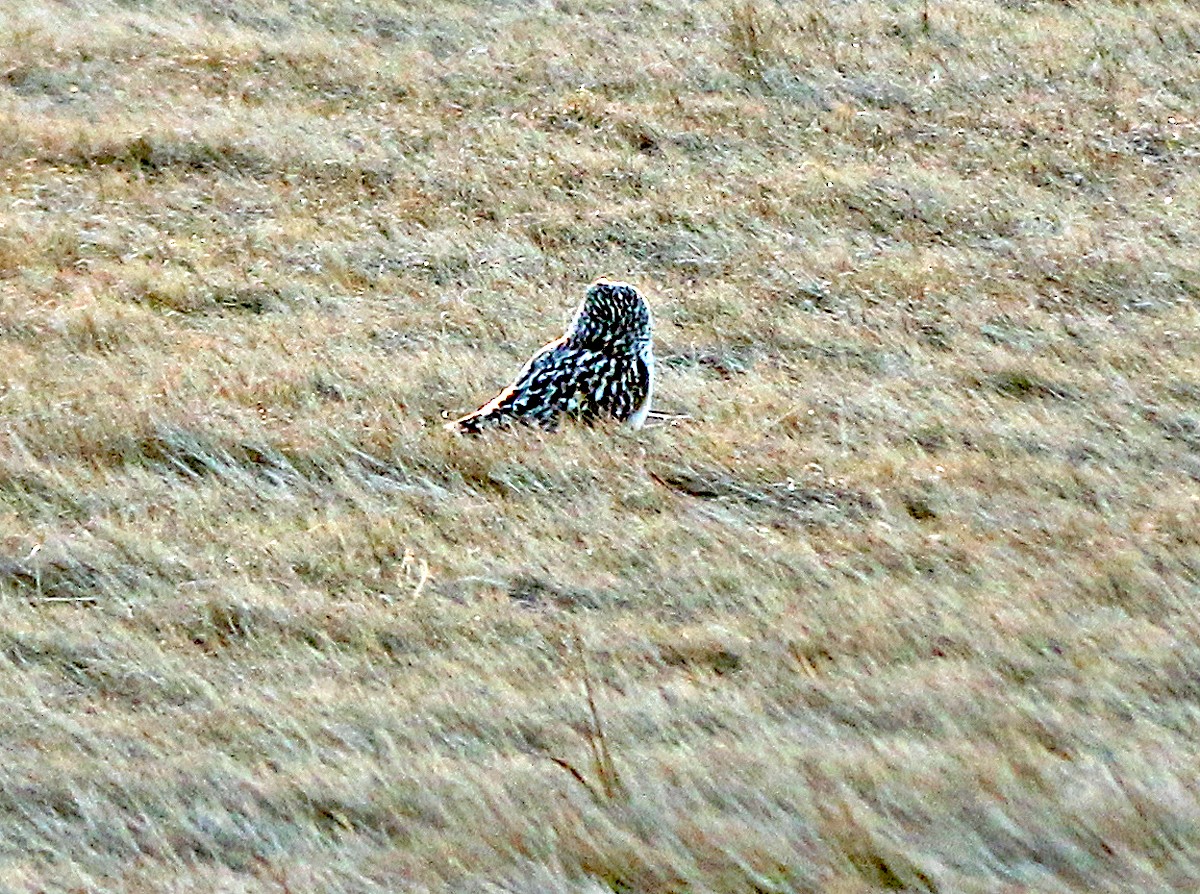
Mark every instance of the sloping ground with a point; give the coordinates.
(907, 601)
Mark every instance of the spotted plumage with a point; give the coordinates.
(603, 366)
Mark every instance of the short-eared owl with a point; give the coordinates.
(602, 366)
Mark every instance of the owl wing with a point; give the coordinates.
(548, 385)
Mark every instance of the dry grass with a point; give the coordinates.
(910, 602)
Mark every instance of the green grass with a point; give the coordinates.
(906, 601)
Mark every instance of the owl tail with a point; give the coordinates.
(471, 424)
(487, 416)
(500, 413)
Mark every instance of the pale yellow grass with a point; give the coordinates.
(907, 601)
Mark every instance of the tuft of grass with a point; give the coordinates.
(753, 37)
(605, 783)
(1024, 385)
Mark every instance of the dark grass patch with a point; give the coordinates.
(1185, 391)
(373, 265)
(270, 76)
(37, 80)
(24, 650)
(193, 455)
(1182, 428)
(654, 241)
(228, 623)
(31, 494)
(248, 298)
(914, 213)
(155, 155)
(935, 334)
(934, 438)
(779, 501)
(920, 507)
(1147, 287)
(77, 580)
(88, 666)
(514, 478)
(338, 816)
(374, 180)
(205, 299)
(706, 657)
(537, 592)
(1023, 385)
(1004, 330)
(810, 295)
(223, 623)
(724, 362)
(199, 816)
(890, 872)
(842, 355)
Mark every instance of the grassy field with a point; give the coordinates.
(907, 601)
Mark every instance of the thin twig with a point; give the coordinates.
(655, 420)
(605, 768)
(654, 414)
(579, 777)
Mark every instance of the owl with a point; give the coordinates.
(603, 366)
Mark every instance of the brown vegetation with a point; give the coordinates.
(907, 602)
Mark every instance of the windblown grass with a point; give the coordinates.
(907, 602)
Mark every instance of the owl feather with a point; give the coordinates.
(601, 367)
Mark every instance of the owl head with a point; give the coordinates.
(612, 315)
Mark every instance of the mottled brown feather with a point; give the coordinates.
(602, 366)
